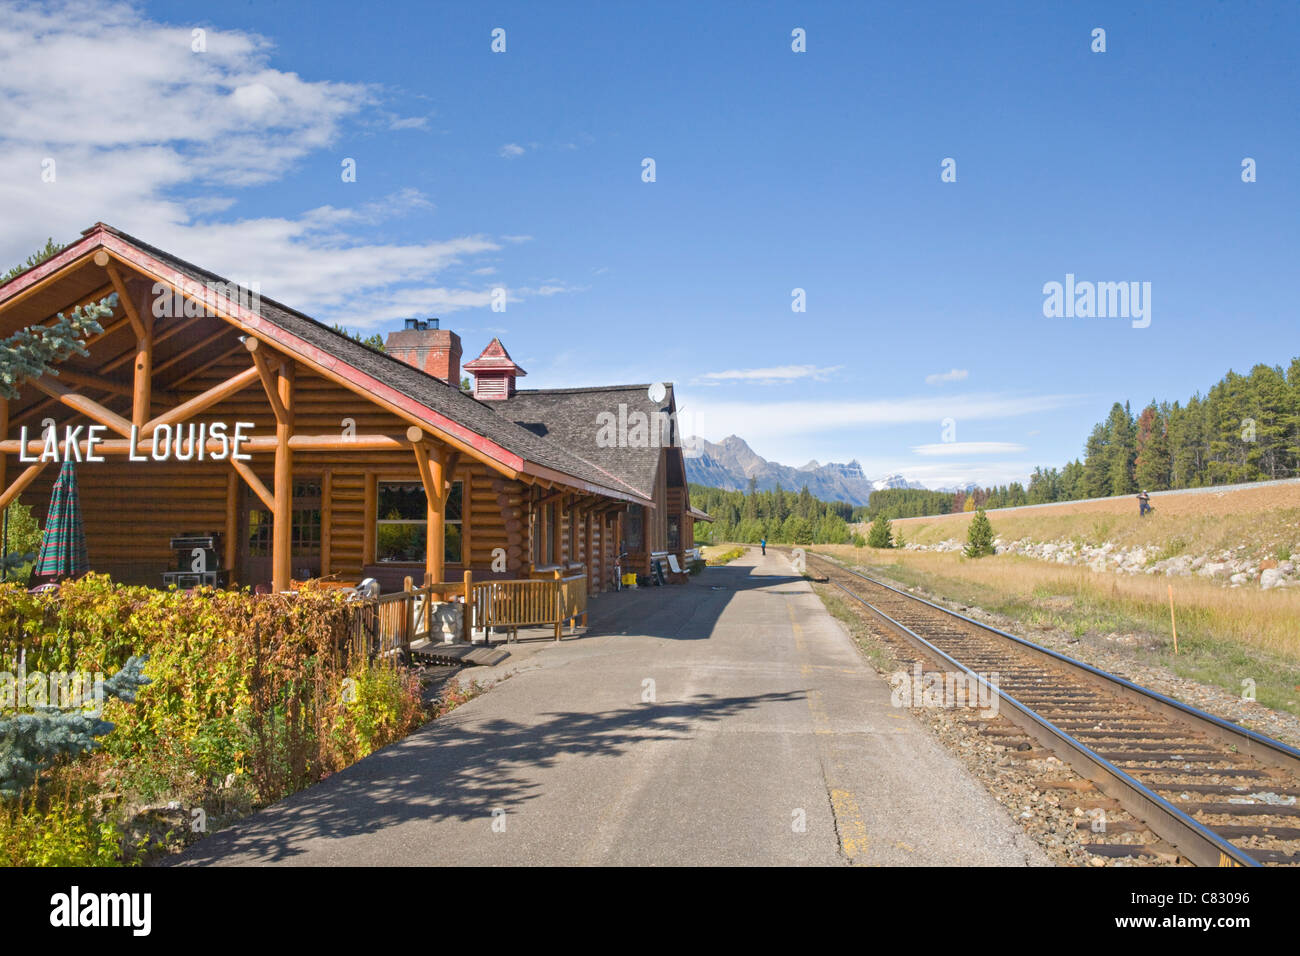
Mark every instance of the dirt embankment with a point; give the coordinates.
(1241, 536)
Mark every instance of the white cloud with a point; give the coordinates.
(954, 375)
(772, 375)
(969, 448)
(753, 418)
(409, 122)
(156, 139)
(511, 151)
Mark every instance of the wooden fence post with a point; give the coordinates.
(1172, 623)
(468, 624)
(408, 612)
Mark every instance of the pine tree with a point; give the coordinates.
(880, 536)
(1121, 451)
(31, 742)
(30, 353)
(51, 249)
(979, 537)
(1152, 464)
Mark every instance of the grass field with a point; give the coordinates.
(1225, 635)
(1265, 520)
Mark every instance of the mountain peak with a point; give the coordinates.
(731, 463)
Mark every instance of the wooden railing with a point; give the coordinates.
(389, 623)
(383, 625)
(548, 600)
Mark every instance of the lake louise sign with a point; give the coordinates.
(206, 441)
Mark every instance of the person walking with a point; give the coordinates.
(1144, 503)
(762, 543)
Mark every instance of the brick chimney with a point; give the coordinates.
(494, 373)
(428, 348)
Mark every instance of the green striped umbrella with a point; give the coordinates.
(63, 550)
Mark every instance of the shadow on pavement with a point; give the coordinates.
(453, 769)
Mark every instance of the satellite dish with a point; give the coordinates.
(657, 392)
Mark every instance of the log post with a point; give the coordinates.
(232, 525)
(282, 519)
(142, 324)
(141, 397)
(431, 476)
(586, 546)
(435, 556)
(468, 623)
(559, 602)
(408, 612)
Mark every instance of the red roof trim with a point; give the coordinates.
(100, 235)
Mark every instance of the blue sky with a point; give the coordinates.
(775, 170)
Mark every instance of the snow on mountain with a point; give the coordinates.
(731, 463)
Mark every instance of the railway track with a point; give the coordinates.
(1216, 793)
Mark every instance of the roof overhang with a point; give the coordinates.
(100, 237)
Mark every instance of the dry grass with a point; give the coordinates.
(1268, 620)
(1265, 520)
(722, 553)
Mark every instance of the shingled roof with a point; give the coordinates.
(572, 417)
(432, 393)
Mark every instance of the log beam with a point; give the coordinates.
(142, 330)
(255, 483)
(88, 407)
(267, 375)
(202, 401)
(282, 527)
(20, 484)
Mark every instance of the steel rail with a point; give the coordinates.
(1262, 747)
(1197, 842)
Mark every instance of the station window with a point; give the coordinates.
(402, 525)
(305, 535)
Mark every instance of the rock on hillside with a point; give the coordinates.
(1233, 567)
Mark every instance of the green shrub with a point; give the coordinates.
(246, 690)
(879, 535)
(979, 536)
(725, 557)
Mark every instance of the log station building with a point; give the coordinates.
(205, 409)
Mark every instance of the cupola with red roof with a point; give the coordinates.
(494, 372)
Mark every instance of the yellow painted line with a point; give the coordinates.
(849, 824)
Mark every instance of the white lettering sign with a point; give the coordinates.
(184, 441)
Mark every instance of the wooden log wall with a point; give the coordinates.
(132, 509)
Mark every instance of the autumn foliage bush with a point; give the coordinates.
(257, 693)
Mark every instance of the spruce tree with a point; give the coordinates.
(979, 537)
(31, 742)
(31, 352)
(880, 536)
